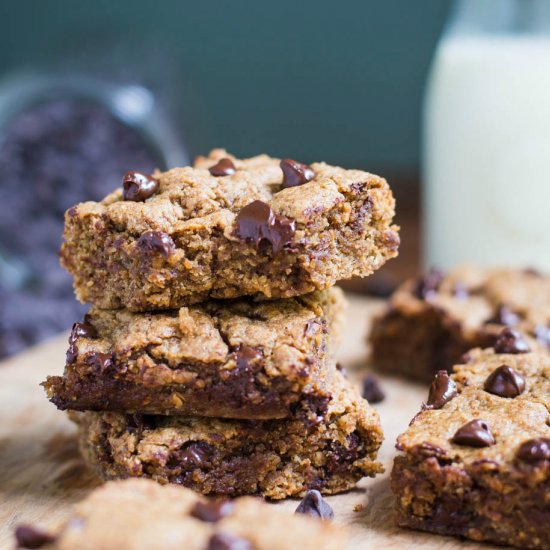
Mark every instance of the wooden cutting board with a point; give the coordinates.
(41, 474)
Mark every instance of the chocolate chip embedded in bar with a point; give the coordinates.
(138, 187)
(313, 504)
(138, 513)
(228, 228)
(429, 324)
(478, 465)
(236, 359)
(273, 458)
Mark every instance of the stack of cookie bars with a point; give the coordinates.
(207, 358)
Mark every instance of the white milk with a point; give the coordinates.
(486, 158)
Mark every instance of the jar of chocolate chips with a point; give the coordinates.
(63, 140)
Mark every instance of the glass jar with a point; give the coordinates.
(486, 137)
(64, 139)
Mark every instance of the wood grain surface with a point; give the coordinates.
(41, 474)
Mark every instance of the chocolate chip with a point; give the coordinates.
(295, 173)
(157, 241)
(475, 433)
(28, 536)
(505, 382)
(137, 423)
(372, 390)
(194, 455)
(138, 187)
(257, 222)
(246, 355)
(534, 450)
(212, 510)
(428, 449)
(224, 167)
(80, 330)
(340, 368)
(532, 271)
(101, 362)
(225, 541)
(504, 316)
(460, 291)
(511, 341)
(442, 390)
(542, 334)
(314, 326)
(428, 285)
(314, 505)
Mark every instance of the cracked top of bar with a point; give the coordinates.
(186, 235)
(236, 359)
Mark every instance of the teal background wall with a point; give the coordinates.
(338, 81)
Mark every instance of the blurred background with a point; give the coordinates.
(89, 90)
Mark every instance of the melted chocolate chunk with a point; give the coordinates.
(195, 455)
(101, 362)
(225, 541)
(257, 222)
(246, 356)
(224, 167)
(504, 316)
(475, 433)
(139, 422)
(314, 505)
(213, 510)
(28, 536)
(295, 173)
(427, 449)
(505, 382)
(534, 450)
(442, 390)
(428, 285)
(511, 341)
(157, 241)
(138, 187)
(372, 391)
(80, 330)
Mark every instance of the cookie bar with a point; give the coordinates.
(430, 323)
(228, 228)
(476, 461)
(140, 514)
(235, 359)
(272, 458)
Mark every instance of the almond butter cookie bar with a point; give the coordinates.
(272, 458)
(227, 228)
(137, 514)
(429, 323)
(475, 461)
(236, 359)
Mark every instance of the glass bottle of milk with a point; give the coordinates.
(486, 142)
